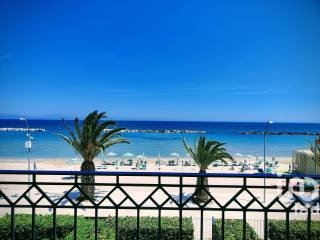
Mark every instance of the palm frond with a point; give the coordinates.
(68, 140)
(90, 138)
(206, 152)
(68, 129)
(77, 127)
(114, 141)
(100, 129)
(111, 133)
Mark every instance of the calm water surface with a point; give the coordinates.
(47, 145)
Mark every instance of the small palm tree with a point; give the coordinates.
(205, 152)
(89, 139)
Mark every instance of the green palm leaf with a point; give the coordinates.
(89, 139)
(205, 152)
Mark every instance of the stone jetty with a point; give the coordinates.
(280, 133)
(22, 129)
(162, 131)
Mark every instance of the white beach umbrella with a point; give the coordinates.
(174, 154)
(111, 154)
(128, 154)
(140, 156)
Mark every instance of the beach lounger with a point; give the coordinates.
(171, 163)
(102, 167)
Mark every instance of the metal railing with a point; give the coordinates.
(157, 182)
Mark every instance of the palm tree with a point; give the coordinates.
(205, 152)
(89, 139)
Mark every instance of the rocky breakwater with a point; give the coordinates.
(162, 131)
(22, 130)
(281, 133)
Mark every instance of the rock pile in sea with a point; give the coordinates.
(22, 129)
(162, 131)
(281, 133)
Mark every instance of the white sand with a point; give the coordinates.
(62, 164)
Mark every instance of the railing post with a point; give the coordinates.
(201, 223)
(265, 225)
(244, 220)
(287, 224)
(54, 223)
(201, 209)
(116, 223)
(117, 213)
(96, 223)
(75, 212)
(12, 223)
(180, 207)
(222, 223)
(287, 214)
(33, 220)
(309, 223)
(138, 223)
(159, 213)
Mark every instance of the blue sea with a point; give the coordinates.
(47, 145)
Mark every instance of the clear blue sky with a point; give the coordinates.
(161, 60)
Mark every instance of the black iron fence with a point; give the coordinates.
(161, 194)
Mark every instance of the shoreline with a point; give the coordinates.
(69, 164)
(280, 159)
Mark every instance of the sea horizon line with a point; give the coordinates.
(143, 120)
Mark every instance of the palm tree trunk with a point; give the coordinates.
(87, 179)
(201, 195)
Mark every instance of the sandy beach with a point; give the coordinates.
(64, 164)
